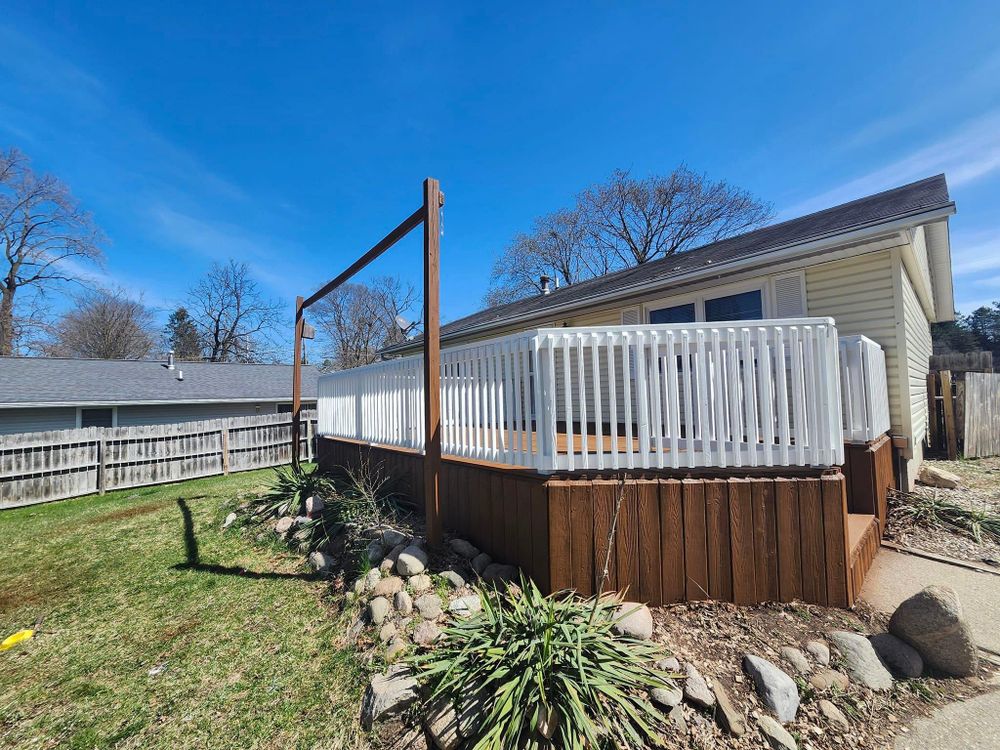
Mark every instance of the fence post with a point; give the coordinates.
(101, 461)
(224, 443)
(949, 415)
(932, 410)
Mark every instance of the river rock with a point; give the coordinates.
(230, 520)
(388, 586)
(426, 633)
(403, 603)
(463, 548)
(388, 694)
(428, 605)
(497, 573)
(453, 578)
(412, 561)
(375, 552)
(861, 661)
(792, 656)
(834, 715)
(442, 725)
(314, 506)
(827, 678)
(819, 651)
(775, 734)
(387, 632)
(775, 688)
(378, 608)
(465, 606)
(389, 561)
(667, 696)
(670, 664)
(937, 477)
(420, 583)
(372, 577)
(634, 620)
(933, 623)
(284, 525)
(725, 712)
(396, 649)
(696, 690)
(480, 562)
(320, 561)
(899, 656)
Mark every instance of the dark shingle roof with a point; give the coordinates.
(916, 197)
(41, 380)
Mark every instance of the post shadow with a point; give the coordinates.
(193, 559)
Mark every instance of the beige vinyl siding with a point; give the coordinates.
(858, 294)
(916, 336)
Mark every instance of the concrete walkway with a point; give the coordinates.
(967, 725)
(896, 576)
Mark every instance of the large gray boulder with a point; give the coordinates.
(901, 658)
(388, 694)
(861, 661)
(775, 688)
(933, 623)
(634, 620)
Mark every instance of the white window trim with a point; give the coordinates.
(725, 290)
(79, 414)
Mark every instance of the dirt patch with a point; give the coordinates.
(31, 592)
(979, 491)
(714, 637)
(135, 510)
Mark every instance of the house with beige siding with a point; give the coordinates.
(880, 266)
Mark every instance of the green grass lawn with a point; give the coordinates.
(145, 579)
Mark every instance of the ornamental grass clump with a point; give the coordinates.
(549, 671)
(288, 492)
(933, 511)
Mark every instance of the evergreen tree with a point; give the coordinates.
(182, 335)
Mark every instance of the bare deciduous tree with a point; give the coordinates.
(105, 325)
(625, 222)
(233, 316)
(42, 230)
(359, 320)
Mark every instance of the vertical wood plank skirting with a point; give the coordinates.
(741, 539)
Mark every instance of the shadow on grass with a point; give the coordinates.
(193, 561)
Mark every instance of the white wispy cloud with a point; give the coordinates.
(969, 153)
(975, 252)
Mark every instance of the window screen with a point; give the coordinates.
(675, 314)
(743, 306)
(96, 417)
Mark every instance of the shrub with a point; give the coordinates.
(549, 667)
(288, 492)
(933, 511)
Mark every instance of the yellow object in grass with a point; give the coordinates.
(12, 640)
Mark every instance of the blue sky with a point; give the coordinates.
(292, 136)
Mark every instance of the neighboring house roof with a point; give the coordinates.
(56, 381)
(873, 211)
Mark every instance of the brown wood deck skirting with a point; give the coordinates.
(869, 472)
(744, 539)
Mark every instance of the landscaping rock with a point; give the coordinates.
(396, 649)
(470, 711)
(497, 573)
(676, 717)
(428, 605)
(819, 651)
(465, 606)
(284, 525)
(834, 715)
(392, 537)
(725, 712)
(775, 688)
(403, 603)
(378, 608)
(899, 656)
(775, 734)
(375, 552)
(321, 562)
(861, 661)
(388, 586)
(796, 659)
(230, 520)
(389, 561)
(696, 690)
(670, 664)
(372, 577)
(666, 696)
(420, 583)
(933, 623)
(314, 506)
(387, 632)
(426, 633)
(442, 725)
(480, 562)
(388, 694)
(634, 620)
(453, 578)
(825, 679)
(411, 561)
(937, 477)
(463, 548)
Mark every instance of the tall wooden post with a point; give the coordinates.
(433, 200)
(297, 382)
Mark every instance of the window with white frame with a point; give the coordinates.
(103, 416)
(743, 302)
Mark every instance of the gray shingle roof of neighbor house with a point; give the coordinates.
(873, 210)
(51, 381)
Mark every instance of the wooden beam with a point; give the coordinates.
(950, 431)
(409, 223)
(297, 381)
(431, 216)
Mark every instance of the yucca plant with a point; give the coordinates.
(934, 511)
(288, 492)
(551, 670)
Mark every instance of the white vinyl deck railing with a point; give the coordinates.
(748, 393)
(863, 389)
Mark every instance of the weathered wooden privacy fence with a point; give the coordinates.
(40, 466)
(741, 394)
(982, 414)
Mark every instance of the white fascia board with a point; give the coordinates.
(766, 257)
